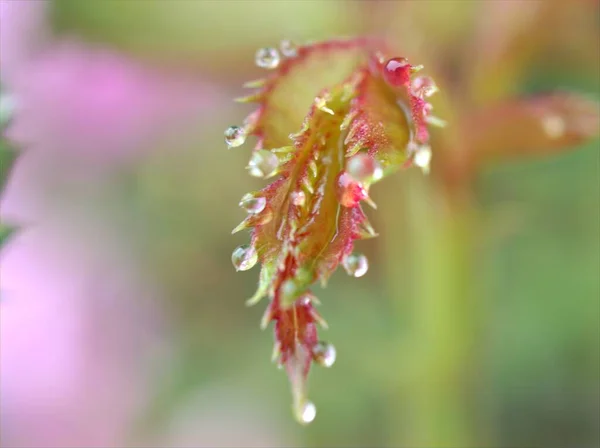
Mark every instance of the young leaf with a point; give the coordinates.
(333, 119)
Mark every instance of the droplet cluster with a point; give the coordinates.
(270, 58)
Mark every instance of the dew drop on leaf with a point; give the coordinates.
(364, 168)
(267, 58)
(308, 412)
(324, 353)
(263, 163)
(423, 86)
(253, 204)
(298, 198)
(244, 257)
(288, 48)
(235, 136)
(554, 126)
(356, 264)
(396, 71)
(422, 157)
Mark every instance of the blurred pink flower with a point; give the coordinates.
(89, 101)
(75, 331)
(22, 33)
(36, 187)
(76, 319)
(92, 102)
(83, 109)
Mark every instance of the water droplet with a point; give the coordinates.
(263, 163)
(324, 353)
(267, 58)
(423, 86)
(235, 136)
(308, 412)
(253, 204)
(244, 257)
(422, 157)
(298, 198)
(396, 71)
(554, 126)
(288, 48)
(364, 168)
(356, 264)
(348, 191)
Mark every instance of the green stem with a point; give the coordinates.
(433, 405)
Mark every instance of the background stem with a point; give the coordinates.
(434, 300)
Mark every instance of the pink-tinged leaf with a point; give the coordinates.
(530, 127)
(380, 125)
(330, 123)
(288, 94)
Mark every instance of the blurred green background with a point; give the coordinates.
(533, 377)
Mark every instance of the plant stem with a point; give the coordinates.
(436, 354)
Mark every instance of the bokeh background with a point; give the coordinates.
(122, 319)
